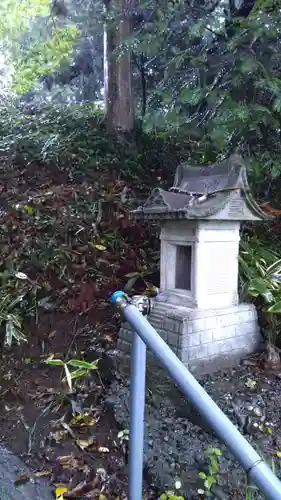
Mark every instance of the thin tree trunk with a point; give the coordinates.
(119, 93)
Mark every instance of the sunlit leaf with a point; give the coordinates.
(68, 377)
(28, 209)
(83, 420)
(100, 247)
(56, 362)
(275, 308)
(260, 286)
(202, 475)
(83, 364)
(21, 276)
(81, 372)
(85, 443)
(250, 383)
(276, 266)
(217, 452)
(209, 482)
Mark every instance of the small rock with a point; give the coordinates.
(257, 412)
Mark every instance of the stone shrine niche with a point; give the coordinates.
(183, 267)
(197, 311)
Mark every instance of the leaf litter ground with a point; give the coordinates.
(76, 243)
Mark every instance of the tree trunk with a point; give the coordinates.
(119, 94)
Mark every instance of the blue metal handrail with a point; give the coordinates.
(143, 334)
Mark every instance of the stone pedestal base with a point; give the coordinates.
(205, 340)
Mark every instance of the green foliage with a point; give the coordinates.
(30, 54)
(251, 490)
(267, 5)
(217, 82)
(15, 304)
(260, 269)
(210, 477)
(170, 495)
(54, 135)
(173, 494)
(19, 299)
(123, 435)
(15, 17)
(75, 137)
(82, 369)
(44, 58)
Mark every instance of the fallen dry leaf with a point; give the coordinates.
(85, 443)
(68, 462)
(83, 420)
(58, 435)
(28, 477)
(60, 491)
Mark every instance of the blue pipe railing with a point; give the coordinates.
(143, 334)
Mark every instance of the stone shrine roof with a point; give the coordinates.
(220, 191)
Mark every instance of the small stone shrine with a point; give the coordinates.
(197, 311)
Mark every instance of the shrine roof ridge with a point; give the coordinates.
(203, 192)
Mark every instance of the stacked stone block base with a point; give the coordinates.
(204, 340)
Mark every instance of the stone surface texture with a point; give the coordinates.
(214, 262)
(204, 340)
(11, 467)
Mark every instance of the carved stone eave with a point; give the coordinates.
(214, 206)
(217, 191)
